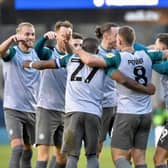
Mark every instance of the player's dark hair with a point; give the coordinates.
(76, 35)
(163, 38)
(65, 23)
(128, 34)
(90, 45)
(104, 28)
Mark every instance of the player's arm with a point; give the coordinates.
(158, 64)
(161, 68)
(43, 52)
(132, 84)
(49, 64)
(157, 55)
(67, 42)
(165, 54)
(68, 47)
(5, 52)
(90, 59)
(40, 65)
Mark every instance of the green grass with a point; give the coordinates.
(105, 159)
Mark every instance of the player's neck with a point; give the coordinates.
(60, 48)
(127, 48)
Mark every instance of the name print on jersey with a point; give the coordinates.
(135, 61)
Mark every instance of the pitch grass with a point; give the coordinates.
(105, 160)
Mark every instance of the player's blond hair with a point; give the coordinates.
(19, 27)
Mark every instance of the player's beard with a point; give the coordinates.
(112, 45)
(29, 43)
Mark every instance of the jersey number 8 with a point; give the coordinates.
(140, 77)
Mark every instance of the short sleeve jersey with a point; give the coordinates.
(52, 86)
(84, 89)
(21, 84)
(110, 91)
(138, 66)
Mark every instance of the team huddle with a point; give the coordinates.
(78, 91)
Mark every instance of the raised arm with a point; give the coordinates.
(67, 42)
(42, 52)
(132, 84)
(4, 46)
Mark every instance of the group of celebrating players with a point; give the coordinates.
(78, 91)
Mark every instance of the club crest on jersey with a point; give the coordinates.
(62, 56)
(110, 55)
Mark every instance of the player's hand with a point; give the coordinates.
(18, 37)
(68, 36)
(51, 35)
(26, 64)
(150, 89)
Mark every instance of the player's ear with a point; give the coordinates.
(105, 35)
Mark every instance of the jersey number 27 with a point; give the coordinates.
(74, 76)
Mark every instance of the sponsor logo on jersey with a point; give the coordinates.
(110, 55)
